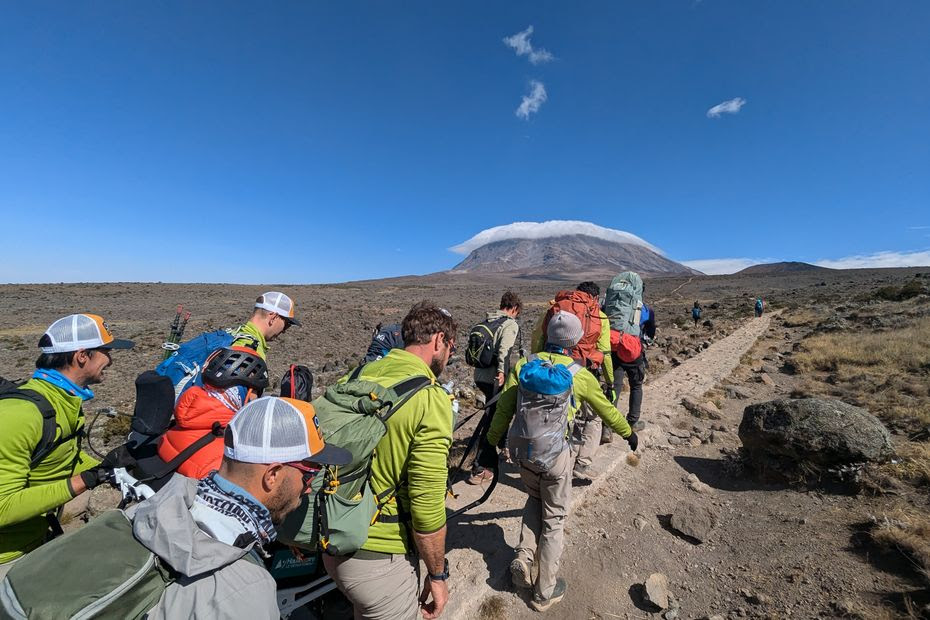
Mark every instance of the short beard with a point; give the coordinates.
(437, 366)
(281, 503)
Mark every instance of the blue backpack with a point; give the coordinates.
(185, 365)
(695, 313)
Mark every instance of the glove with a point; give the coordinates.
(93, 477)
(633, 440)
(611, 395)
(487, 455)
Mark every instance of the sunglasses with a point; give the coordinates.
(307, 472)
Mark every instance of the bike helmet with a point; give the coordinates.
(297, 382)
(236, 366)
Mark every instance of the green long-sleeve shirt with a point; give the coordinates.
(415, 447)
(584, 387)
(26, 495)
(259, 344)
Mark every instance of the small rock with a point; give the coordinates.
(694, 520)
(692, 478)
(759, 599)
(705, 409)
(700, 487)
(674, 441)
(671, 614)
(639, 523)
(657, 590)
(766, 379)
(695, 441)
(715, 437)
(733, 391)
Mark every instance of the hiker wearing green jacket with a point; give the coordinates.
(381, 579)
(549, 490)
(39, 472)
(272, 315)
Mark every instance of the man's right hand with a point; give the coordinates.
(440, 592)
(633, 440)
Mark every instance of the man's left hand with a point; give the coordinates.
(500, 378)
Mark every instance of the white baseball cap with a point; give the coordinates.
(275, 301)
(80, 331)
(279, 430)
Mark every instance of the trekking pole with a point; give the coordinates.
(181, 329)
(479, 432)
(168, 345)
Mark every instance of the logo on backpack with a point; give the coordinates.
(585, 307)
(623, 302)
(544, 401)
(481, 350)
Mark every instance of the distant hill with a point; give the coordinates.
(780, 268)
(567, 255)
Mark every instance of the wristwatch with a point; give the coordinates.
(443, 575)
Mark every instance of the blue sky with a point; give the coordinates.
(320, 142)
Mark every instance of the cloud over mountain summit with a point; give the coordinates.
(552, 228)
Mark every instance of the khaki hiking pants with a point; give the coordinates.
(549, 495)
(586, 442)
(380, 586)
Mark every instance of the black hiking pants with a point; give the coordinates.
(489, 390)
(636, 374)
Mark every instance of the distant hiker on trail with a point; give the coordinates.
(490, 344)
(696, 312)
(409, 478)
(624, 306)
(207, 535)
(232, 378)
(385, 338)
(42, 465)
(272, 316)
(760, 306)
(541, 397)
(647, 326)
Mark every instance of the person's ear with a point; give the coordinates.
(436, 340)
(81, 357)
(271, 478)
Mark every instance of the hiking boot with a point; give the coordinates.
(520, 573)
(582, 472)
(558, 593)
(480, 477)
(638, 426)
(607, 435)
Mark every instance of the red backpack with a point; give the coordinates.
(585, 307)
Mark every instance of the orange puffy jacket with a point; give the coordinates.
(195, 414)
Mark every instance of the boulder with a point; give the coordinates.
(694, 520)
(656, 588)
(734, 391)
(811, 435)
(705, 409)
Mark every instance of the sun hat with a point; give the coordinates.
(80, 331)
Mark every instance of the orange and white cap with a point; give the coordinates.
(279, 430)
(275, 301)
(80, 331)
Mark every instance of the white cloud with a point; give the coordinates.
(532, 102)
(727, 107)
(918, 227)
(520, 43)
(720, 266)
(552, 228)
(879, 259)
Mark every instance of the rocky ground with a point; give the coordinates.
(770, 550)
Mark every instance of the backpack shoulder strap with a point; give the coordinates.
(358, 371)
(574, 368)
(186, 453)
(405, 390)
(47, 442)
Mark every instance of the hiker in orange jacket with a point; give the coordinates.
(231, 378)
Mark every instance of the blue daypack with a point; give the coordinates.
(695, 313)
(185, 365)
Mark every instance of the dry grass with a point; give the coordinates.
(493, 608)
(912, 465)
(801, 317)
(907, 529)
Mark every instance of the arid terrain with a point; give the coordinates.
(778, 549)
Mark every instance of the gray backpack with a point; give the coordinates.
(623, 302)
(538, 434)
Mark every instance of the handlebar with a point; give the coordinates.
(131, 489)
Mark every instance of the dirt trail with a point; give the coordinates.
(481, 542)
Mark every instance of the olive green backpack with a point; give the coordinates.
(341, 505)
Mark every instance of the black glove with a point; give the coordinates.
(633, 440)
(118, 457)
(487, 455)
(93, 477)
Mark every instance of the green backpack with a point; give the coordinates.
(623, 302)
(341, 504)
(127, 580)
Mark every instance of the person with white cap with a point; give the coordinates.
(272, 315)
(549, 489)
(42, 465)
(207, 534)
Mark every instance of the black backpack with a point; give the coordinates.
(481, 350)
(384, 338)
(47, 443)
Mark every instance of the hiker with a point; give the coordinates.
(497, 334)
(208, 535)
(696, 312)
(381, 579)
(542, 396)
(42, 465)
(647, 327)
(384, 338)
(272, 316)
(624, 305)
(760, 306)
(231, 378)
